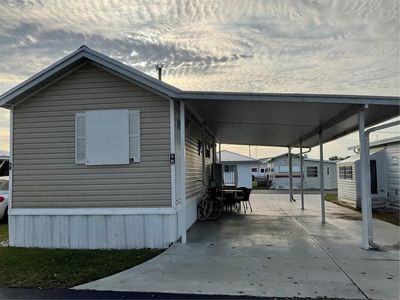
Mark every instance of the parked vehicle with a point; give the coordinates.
(3, 197)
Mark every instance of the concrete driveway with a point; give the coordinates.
(277, 251)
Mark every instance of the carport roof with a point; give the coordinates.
(270, 119)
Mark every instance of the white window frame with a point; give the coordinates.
(134, 154)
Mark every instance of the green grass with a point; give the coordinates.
(381, 215)
(59, 268)
(254, 184)
(331, 198)
(62, 268)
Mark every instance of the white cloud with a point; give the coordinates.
(338, 46)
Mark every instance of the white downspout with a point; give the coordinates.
(321, 179)
(368, 242)
(290, 175)
(301, 175)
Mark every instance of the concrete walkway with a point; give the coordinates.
(277, 251)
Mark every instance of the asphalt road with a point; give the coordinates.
(17, 293)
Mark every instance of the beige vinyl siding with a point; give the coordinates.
(347, 188)
(45, 174)
(194, 169)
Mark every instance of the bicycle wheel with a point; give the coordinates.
(217, 209)
(203, 210)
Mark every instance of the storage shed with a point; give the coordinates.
(385, 176)
(237, 169)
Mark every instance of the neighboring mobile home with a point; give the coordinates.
(105, 156)
(278, 172)
(385, 176)
(236, 169)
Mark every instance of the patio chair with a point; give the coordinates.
(245, 198)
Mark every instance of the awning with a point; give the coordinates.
(284, 119)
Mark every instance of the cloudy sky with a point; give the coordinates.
(338, 46)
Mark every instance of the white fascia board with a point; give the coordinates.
(289, 97)
(91, 211)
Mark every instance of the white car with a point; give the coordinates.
(3, 197)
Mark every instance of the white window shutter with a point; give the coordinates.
(80, 139)
(134, 135)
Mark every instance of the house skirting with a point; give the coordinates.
(191, 214)
(93, 228)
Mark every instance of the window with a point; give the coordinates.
(226, 168)
(374, 177)
(283, 169)
(327, 171)
(254, 169)
(262, 170)
(312, 171)
(107, 137)
(346, 172)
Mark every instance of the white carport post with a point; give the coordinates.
(219, 152)
(183, 171)
(301, 175)
(203, 157)
(369, 200)
(364, 166)
(321, 176)
(290, 175)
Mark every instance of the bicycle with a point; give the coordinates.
(209, 207)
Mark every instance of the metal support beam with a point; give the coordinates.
(301, 175)
(321, 176)
(371, 243)
(183, 171)
(214, 152)
(369, 200)
(364, 166)
(363, 177)
(290, 175)
(203, 158)
(219, 152)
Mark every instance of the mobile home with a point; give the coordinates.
(385, 176)
(278, 168)
(105, 156)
